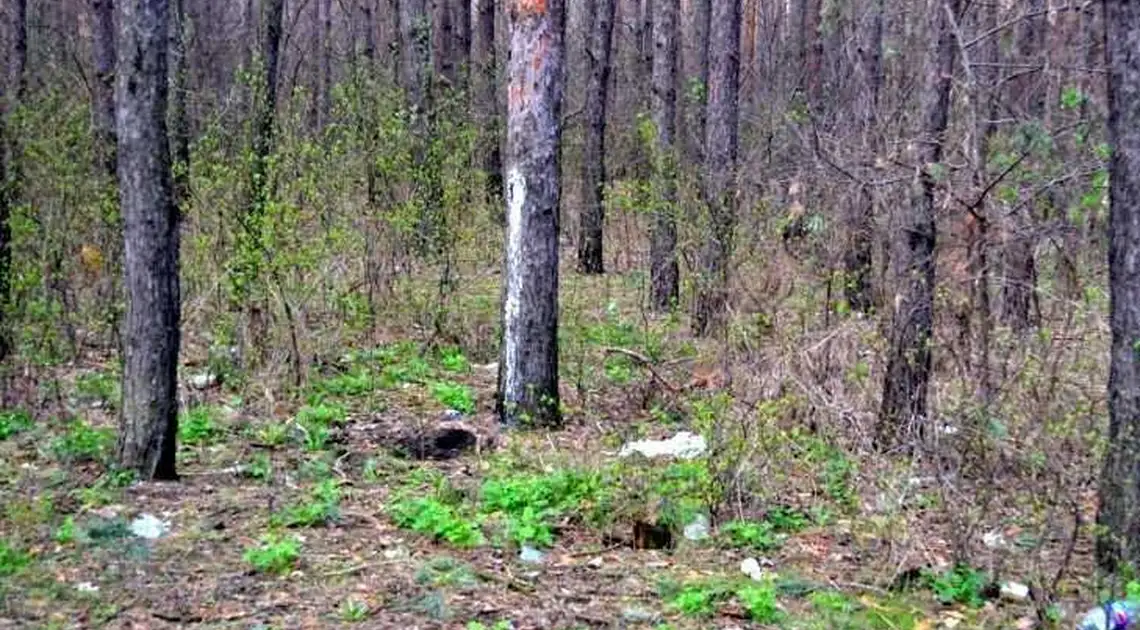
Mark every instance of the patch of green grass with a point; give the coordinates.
(502, 624)
(454, 396)
(13, 421)
(13, 560)
(356, 382)
(699, 599)
(452, 360)
(321, 507)
(199, 426)
(758, 535)
(446, 572)
(962, 584)
(787, 520)
(101, 386)
(272, 434)
(65, 534)
(322, 414)
(274, 554)
(440, 520)
(759, 601)
(530, 504)
(259, 468)
(354, 610)
(82, 442)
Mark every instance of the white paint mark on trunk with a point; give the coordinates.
(516, 200)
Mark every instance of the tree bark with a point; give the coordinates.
(488, 103)
(857, 258)
(663, 269)
(415, 53)
(462, 25)
(903, 412)
(528, 368)
(179, 116)
(20, 49)
(696, 96)
(149, 423)
(592, 217)
(1119, 517)
(443, 45)
(5, 230)
(324, 85)
(103, 47)
(710, 308)
(368, 18)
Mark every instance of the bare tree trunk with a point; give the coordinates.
(103, 47)
(324, 85)
(903, 412)
(1119, 546)
(149, 424)
(858, 258)
(368, 17)
(488, 102)
(528, 369)
(1019, 266)
(20, 49)
(663, 269)
(696, 97)
(179, 115)
(443, 44)
(813, 53)
(710, 307)
(592, 217)
(463, 39)
(5, 229)
(415, 53)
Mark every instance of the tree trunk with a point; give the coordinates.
(1028, 90)
(812, 40)
(1119, 545)
(324, 85)
(528, 368)
(592, 217)
(5, 230)
(443, 35)
(369, 33)
(20, 50)
(861, 214)
(462, 25)
(696, 96)
(663, 271)
(415, 53)
(710, 308)
(488, 103)
(103, 47)
(179, 116)
(903, 412)
(149, 423)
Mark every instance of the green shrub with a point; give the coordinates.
(758, 535)
(430, 516)
(454, 396)
(274, 554)
(320, 508)
(962, 584)
(199, 426)
(14, 421)
(12, 559)
(759, 601)
(83, 442)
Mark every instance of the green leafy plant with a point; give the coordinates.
(430, 516)
(199, 426)
(321, 414)
(100, 386)
(759, 535)
(83, 442)
(452, 360)
(759, 601)
(320, 508)
(446, 572)
(272, 434)
(12, 559)
(699, 599)
(13, 421)
(274, 554)
(786, 519)
(530, 504)
(454, 396)
(962, 584)
(260, 467)
(65, 533)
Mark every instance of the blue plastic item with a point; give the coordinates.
(1118, 615)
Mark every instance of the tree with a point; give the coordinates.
(663, 271)
(857, 258)
(487, 99)
(592, 217)
(9, 168)
(528, 367)
(903, 410)
(710, 307)
(149, 423)
(1120, 482)
(179, 116)
(697, 83)
(415, 53)
(103, 88)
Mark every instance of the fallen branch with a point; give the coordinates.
(647, 363)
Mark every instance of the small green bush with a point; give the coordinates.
(429, 515)
(83, 442)
(454, 396)
(274, 554)
(13, 421)
(199, 426)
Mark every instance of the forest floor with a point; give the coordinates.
(310, 508)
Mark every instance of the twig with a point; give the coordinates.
(645, 362)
